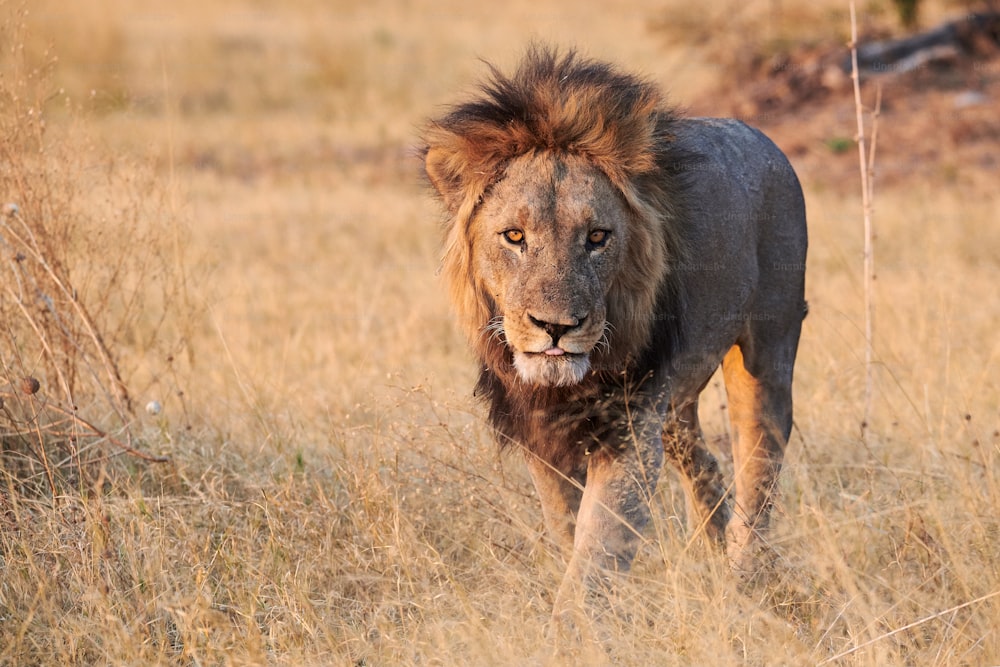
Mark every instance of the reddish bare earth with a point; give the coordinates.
(938, 120)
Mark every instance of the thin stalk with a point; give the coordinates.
(866, 164)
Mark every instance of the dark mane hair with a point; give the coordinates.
(561, 103)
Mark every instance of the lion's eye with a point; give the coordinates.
(515, 236)
(597, 238)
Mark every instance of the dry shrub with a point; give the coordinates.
(76, 251)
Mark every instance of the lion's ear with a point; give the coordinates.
(445, 172)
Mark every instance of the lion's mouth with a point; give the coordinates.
(552, 367)
(555, 354)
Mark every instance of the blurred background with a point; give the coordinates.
(218, 249)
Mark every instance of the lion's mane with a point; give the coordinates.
(567, 105)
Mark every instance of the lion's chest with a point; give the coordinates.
(564, 427)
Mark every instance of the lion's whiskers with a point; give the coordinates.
(495, 331)
(603, 344)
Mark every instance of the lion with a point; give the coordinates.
(604, 255)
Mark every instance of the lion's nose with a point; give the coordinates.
(556, 329)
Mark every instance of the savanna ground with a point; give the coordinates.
(219, 203)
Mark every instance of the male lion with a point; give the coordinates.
(604, 256)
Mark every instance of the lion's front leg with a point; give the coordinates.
(560, 494)
(613, 511)
(705, 490)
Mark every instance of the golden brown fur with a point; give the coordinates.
(605, 256)
(562, 105)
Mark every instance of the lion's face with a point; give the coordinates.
(547, 245)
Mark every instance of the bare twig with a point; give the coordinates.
(866, 166)
(57, 429)
(871, 151)
(129, 449)
(120, 396)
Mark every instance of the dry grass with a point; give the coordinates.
(230, 192)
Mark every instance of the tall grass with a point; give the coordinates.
(331, 495)
(73, 290)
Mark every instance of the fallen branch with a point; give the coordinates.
(948, 40)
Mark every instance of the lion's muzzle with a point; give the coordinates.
(552, 350)
(556, 329)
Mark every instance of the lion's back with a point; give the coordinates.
(745, 234)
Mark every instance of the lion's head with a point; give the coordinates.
(561, 220)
